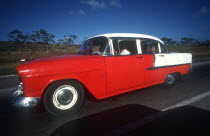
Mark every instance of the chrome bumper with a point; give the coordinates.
(20, 101)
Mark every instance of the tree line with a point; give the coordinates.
(40, 36)
(43, 37)
(184, 41)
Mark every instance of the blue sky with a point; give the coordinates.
(86, 18)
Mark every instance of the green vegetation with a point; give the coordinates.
(8, 68)
(9, 59)
(41, 44)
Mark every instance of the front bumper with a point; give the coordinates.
(20, 101)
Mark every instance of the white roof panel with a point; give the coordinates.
(109, 35)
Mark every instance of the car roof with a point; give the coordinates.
(128, 35)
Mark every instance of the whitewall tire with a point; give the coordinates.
(64, 97)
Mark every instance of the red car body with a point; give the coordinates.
(100, 75)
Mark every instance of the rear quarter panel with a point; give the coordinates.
(178, 62)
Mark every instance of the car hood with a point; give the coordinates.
(55, 58)
(60, 65)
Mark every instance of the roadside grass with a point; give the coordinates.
(10, 59)
(8, 68)
(16, 56)
(197, 51)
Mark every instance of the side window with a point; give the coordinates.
(98, 45)
(95, 46)
(125, 47)
(149, 47)
(163, 48)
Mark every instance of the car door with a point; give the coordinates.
(124, 71)
(155, 62)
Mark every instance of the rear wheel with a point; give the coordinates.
(170, 80)
(64, 97)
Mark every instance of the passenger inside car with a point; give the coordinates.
(152, 49)
(124, 51)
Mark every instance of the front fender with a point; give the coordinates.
(94, 81)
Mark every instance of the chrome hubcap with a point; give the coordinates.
(65, 97)
(171, 78)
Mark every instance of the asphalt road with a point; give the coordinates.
(183, 109)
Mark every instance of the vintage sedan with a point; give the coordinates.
(105, 65)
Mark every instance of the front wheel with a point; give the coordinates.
(170, 80)
(64, 97)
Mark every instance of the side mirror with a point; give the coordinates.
(96, 53)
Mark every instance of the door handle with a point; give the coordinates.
(140, 57)
(161, 55)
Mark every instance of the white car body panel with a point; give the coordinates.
(171, 59)
(129, 35)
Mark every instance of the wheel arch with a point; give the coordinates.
(178, 76)
(88, 93)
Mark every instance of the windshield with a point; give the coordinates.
(94, 46)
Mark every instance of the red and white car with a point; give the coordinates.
(106, 65)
